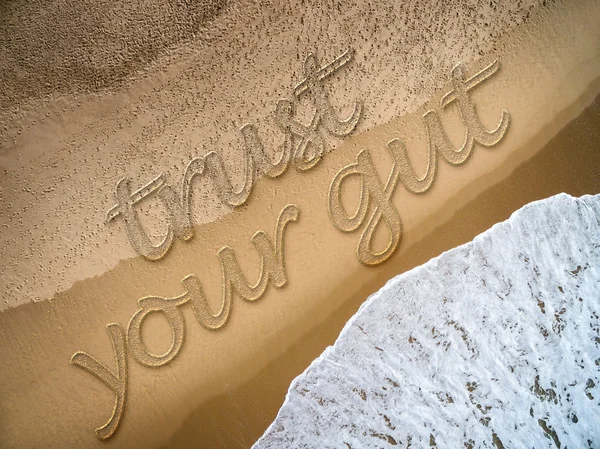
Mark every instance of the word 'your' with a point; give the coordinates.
(234, 282)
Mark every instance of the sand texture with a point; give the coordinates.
(70, 133)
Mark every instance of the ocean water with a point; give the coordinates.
(493, 344)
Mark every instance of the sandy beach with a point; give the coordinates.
(225, 386)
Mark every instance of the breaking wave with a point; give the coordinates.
(493, 344)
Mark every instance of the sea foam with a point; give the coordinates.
(493, 344)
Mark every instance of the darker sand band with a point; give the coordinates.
(569, 163)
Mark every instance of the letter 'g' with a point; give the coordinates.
(371, 189)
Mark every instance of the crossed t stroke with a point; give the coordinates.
(298, 138)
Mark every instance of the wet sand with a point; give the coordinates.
(225, 387)
(568, 163)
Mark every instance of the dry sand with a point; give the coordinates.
(63, 148)
(226, 386)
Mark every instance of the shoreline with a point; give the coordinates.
(277, 377)
(243, 370)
